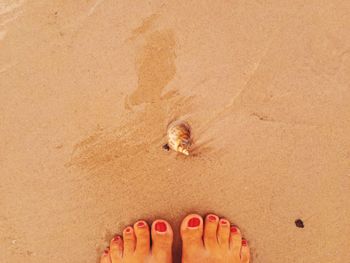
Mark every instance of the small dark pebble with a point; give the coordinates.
(299, 223)
(166, 147)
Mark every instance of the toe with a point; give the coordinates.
(192, 231)
(235, 241)
(245, 253)
(105, 258)
(142, 238)
(116, 249)
(224, 233)
(162, 239)
(129, 241)
(210, 231)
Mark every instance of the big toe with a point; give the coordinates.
(162, 239)
(192, 232)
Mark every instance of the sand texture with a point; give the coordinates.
(88, 87)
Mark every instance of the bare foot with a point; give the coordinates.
(214, 241)
(135, 245)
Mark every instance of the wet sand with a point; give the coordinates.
(88, 88)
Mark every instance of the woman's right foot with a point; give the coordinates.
(212, 241)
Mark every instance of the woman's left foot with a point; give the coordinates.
(212, 240)
(135, 244)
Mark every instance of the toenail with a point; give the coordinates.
(128, 230)
(223, 222)
(160, 227)
(194, 222)
(212, 218)
(106, 251)
(116, 238)
(141, 224)
(244, 242)
(234, 229)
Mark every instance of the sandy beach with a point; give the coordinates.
(88, 87)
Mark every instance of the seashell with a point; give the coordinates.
(179, 137)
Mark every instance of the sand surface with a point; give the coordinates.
(87, 88)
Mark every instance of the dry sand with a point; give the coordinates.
(88, 87)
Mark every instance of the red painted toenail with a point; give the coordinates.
(234, 229)
(194, 222)
(106, 251)
(141, 224)
(223, 222)
(160, 227)
(116, 238)
(244, 242)
(212, 218)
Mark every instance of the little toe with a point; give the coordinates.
(192, 231)
(162, 240)
(105, 258)
(224, 233)
(129, 241)
(116, 249)
(142, 238)
(235, 241)
(210, 231)
(245, 253)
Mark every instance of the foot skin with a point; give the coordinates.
(135, 245)
(212, 240)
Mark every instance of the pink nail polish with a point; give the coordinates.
(223, 222)
(212, 218)
(116, 238)
(141, 224)
(160, 227)
(234, 229)
(244, 242)
(194, 222)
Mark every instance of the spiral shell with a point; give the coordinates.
(179, 137)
